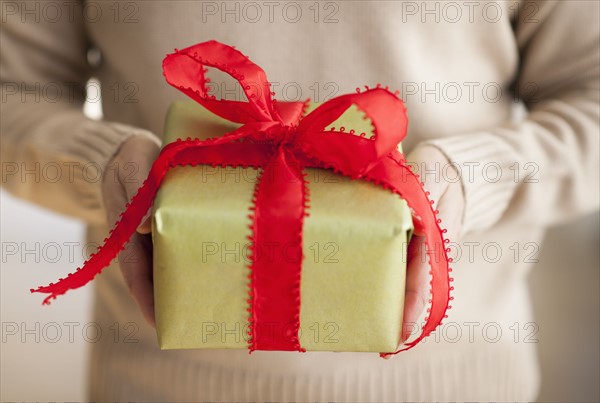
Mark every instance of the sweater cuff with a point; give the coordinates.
(96, 143)
(486, 166)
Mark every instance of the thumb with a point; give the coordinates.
(131, 189)
(138, 155)
(146, 226)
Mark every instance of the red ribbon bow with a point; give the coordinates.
(276, 138)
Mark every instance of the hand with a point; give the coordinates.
(125, 174)
(446, 191)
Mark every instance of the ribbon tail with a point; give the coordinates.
(398, 178)
(128, 222)
(119, 236)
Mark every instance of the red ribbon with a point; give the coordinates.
(276, 138)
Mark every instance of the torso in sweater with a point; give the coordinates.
(454, 77)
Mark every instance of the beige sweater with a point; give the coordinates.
(460, 66)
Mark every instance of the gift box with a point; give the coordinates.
(354, 245)
(243, 257)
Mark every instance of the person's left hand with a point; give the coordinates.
(443, 182)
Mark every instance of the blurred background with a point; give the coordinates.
(44, 349)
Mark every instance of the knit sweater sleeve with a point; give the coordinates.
(544, 169)
(51, 153)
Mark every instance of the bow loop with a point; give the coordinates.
(185, 70)
(354, 155)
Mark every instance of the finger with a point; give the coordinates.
(132, 186)
(114, 198)
(131, 189)
(451, 211)
(146, 225)
(115, 203)
(416, 295)
(136, 265)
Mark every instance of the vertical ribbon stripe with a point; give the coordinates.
(277, 261)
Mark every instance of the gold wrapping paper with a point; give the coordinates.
(353, 273)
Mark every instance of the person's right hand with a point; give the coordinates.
(125, 174)
(449, 200)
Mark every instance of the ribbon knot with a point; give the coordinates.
(283, 136)
(280, 204)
